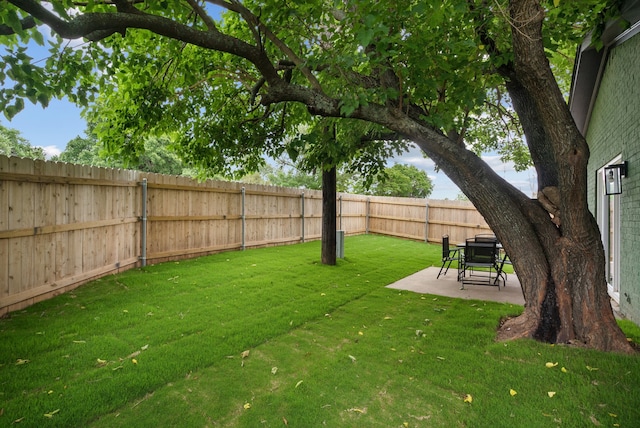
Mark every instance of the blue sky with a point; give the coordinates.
(51, 128)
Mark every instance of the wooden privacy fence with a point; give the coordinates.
(62, 224)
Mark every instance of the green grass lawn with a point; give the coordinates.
(272, 338)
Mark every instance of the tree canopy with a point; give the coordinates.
(453, 76)
(13, 144)
(156, 156)
(403, 180)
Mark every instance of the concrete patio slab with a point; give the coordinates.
(425, 282)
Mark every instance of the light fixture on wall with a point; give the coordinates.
(613, 178)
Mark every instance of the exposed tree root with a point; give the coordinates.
(525, 326)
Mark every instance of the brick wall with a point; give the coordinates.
(614, 130)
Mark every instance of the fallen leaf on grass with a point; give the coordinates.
(101, 362)
(357, 410)
(134, 361)
(353, 359)
(613, 415)
(20, 361)
(551, 394)
(50, 414)
(563, 370)
(274, 370)
(512, 392)
(247, 406)
(592, 368)
(468, 398)
(245, 354)
(550, 365)
(132, 355)
(299, 383)
(595, 421)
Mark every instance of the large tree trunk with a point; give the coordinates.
(329, 216)
(567, 299)
(554, 242)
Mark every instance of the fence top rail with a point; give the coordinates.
(56, 179)
(469, 207)
(400, 203)
(188, 188)
(165, 186)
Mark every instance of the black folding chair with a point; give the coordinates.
(480, 255)
(501, 259)
(448, 255)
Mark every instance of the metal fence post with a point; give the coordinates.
(302, 215)
(340, 199)
(143, 226)
(243, 219)
(366, 221)
(426, 222)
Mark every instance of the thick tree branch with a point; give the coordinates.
(96, 23)
(569, 148)
(26, 24)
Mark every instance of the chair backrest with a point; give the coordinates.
(445, 246)
(480, 253)
(486, 237)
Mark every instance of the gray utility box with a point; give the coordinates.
(340, 244)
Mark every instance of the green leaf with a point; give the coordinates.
(10, 112)
(12, 19)
(38, 38)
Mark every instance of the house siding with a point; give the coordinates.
(614, 129)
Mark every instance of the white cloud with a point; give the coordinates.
(50, 151)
